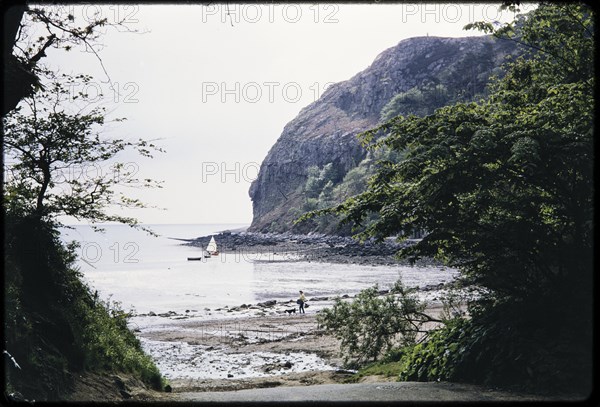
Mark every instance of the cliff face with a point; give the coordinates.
(325, 131)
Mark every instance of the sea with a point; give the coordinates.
(151, 277)
(146, 273)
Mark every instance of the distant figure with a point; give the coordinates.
(301, 302)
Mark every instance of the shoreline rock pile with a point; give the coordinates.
(311, 247)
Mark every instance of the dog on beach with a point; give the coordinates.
(290, 311)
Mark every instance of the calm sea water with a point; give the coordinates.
(147, 273)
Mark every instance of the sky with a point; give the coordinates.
(215, 85)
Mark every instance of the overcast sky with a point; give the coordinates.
(217, 89)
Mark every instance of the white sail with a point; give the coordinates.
(212, 246)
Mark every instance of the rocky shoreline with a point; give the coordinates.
(274, 307)
(267, 343)
(311, 247)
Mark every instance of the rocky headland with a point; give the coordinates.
(324, 132)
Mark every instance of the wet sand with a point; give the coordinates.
(248, 351)
(254, 351)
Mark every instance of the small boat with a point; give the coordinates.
(205, 255)
(212, 247)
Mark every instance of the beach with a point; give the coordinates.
(221, 323)
(247, 351)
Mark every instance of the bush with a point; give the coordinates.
(54, 325)
(109, 345)
(503, 347)
(370, 326)
(437, 357)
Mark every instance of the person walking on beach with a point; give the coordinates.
(301, 302)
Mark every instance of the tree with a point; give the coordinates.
(58, 160)
(57, 163)
(504, 189)
(29, 31)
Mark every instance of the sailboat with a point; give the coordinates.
(212, 247)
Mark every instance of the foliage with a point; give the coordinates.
(418, 101)
(317, 179)
(108, 344)
(504, 189)
(466, 80)
(436, 358)
(354, 182)
(55, 326)
(51, 151)
(370, 326)
(30, 30)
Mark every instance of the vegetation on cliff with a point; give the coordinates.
(504, 189)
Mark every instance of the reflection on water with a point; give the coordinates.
(153, 274)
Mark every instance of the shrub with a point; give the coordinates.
(371, 325)
(437, 357)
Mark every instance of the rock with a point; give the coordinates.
(151, 314)
(229, 375)
(345, 296)
(125, 394)
(288, 364)
(269, 303)
(325, 131)
(119, 383)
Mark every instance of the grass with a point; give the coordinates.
(386, 369)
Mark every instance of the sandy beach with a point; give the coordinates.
(247, 350)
